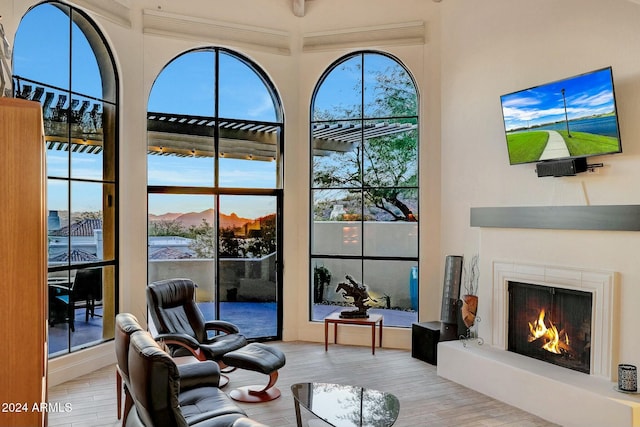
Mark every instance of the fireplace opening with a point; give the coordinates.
(550, 324)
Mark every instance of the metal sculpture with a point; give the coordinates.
(358, 291)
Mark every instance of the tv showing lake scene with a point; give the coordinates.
(574, 117)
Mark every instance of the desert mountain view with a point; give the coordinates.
(195, 218)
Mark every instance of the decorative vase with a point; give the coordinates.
(469, 309)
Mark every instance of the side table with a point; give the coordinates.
(335, 318)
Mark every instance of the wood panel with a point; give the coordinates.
(22, 264)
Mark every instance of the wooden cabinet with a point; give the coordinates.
(23, 264)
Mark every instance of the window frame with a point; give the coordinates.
(361, 118)
(110, 165)
(216, 191)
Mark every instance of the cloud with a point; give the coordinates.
(261, 108)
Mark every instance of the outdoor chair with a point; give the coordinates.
(85, 292)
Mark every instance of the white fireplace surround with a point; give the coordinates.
(561, 395)
(600, 284)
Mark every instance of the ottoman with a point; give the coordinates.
(258, 357)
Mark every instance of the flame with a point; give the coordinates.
(550, 335)
(538, 329)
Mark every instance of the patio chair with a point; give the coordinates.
(85, 292)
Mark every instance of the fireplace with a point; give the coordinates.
(549, 323)
(556, 393)
(595, 290)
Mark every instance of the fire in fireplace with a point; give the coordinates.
(551, 324)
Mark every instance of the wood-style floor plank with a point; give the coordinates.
(425, 398)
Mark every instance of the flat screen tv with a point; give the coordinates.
(570, 118)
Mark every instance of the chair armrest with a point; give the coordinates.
(182, 340)
(221, 325)
(199, 374)
(60, 289)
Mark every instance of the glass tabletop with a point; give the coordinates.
(347, 406)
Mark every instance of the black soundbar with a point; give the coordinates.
(565, 167)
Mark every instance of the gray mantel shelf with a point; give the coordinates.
(610, 217)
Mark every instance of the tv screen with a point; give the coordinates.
(574, 117)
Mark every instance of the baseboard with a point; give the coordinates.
(71, 366)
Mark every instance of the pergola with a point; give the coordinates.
(182, 135)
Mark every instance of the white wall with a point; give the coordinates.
(495, 47)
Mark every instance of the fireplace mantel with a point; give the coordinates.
(601, 217)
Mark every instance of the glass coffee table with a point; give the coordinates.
(345, 405)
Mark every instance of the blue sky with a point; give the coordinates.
(586, 95)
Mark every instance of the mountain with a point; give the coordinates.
(195, 218)
(169, 216)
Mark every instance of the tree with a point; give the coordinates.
(384, 167)
(263, 241)
(230, 246)
(204, 240)
(167, 228)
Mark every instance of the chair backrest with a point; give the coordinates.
(173, 309)
(126, 324)
(87, 284)
(154, 383)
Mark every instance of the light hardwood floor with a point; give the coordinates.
(425, 398)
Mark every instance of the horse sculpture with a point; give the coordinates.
(357, 291)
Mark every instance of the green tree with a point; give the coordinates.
(384, 167)
(167, 228)
(230, 245)
(263, 241)
(203, 240)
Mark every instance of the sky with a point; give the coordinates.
(185, 86)
(585, 95)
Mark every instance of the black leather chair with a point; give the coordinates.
(126, 324)
(159, 400)
(178, 320)
(192, 374)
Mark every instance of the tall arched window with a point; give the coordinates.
(62, 61)
(364, 186)
(215, 135)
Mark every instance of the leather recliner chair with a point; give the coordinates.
(178, 320)
(126, 324)
(158, 400)
(192, 375)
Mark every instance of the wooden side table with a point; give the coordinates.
(335, 318)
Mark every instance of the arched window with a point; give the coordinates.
(364, 186)
(215, 135)
(61, 60)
